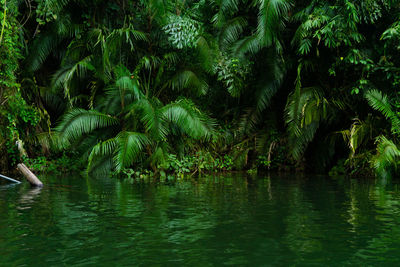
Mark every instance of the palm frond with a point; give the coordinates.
(379, 101)
(102, 149)
(263, 97)
(127, 35)
(231, 31)
(360, 132)
(50, 140)
(225, 8)
(41, 49)
(299, 144)
(206, 54)
(159, 9)
(386, 158)
(274, 78)
(46, 42)
(55, 5)
(127, 84)
(152, 117)
(303, 112)
(78, 122)
(64, 76)
(266, 88)
(271, 15)
(265, 93)
(101, 166)
(189, 118)
(190, 80)
(129, 146)
(110, 101)
(160, 155)
(249, 44)
(249, 121)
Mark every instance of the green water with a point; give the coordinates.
(212, 221)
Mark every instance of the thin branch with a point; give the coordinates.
(28, 4)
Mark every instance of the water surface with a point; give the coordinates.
(211, 221)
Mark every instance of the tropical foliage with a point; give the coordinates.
(190, 86)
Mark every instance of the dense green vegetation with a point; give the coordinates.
(161, 87)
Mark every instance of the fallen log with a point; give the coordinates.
(29, 175)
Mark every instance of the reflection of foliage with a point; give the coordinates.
(238, 219)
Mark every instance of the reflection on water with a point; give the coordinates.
(27, 199)
(231, 220)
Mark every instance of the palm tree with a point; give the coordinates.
(129, 126)
(239, 41)
(123, 88)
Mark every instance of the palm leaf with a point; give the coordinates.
(63, 78)
(206, 54)
(102, 149)
(189, 119)
(386, 158)
(270, 17)
(152, 117)
(378, 101)
(231, 31)
(78, 122)
(41, 49)
(129, 146)
(303, 112)
(249, 44)
(46, 43)
(188, 79)
(225, 8)
(299, 144)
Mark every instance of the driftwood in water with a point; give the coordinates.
(9, 179)
(29, 175)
